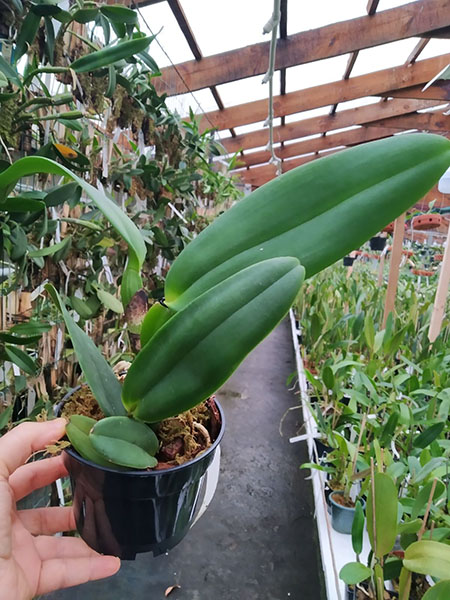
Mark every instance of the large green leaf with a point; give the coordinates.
(358, 528)
(428, 558)
(386, 508)
(118, 219)
(21, 359)
(198, 348)
(354, 572)
(440, 591)
(110, 55)
(119, 14)
(317, 212)
(99, 375)
(51, 250)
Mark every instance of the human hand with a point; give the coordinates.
(32, 560)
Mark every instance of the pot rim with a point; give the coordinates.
(142, 472)
(340, 492)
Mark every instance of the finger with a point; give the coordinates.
(35, 475)
(20, 443)
(50, 547)
(60, 573)
(47, 521)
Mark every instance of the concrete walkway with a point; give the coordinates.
(257, 540)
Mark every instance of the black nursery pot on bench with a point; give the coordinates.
(127, 512)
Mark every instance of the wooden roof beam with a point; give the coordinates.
(430, 121)
(316, 44)
(344, 138)
(348, 69)
(183, 23)
(372, 6)
(315, 125)
(258, 175)
(417, 50)
(440, 90)
(372, 84)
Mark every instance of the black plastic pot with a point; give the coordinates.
(348, 261)
(377, 243)
(127, 512)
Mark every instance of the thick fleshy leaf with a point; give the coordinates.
(129, 430)
(428, 558)
(51, 250)
(428, 436)
(317, 212)
(99, 375)
(119, 14)
(198, 349)
(110, 301)
(77, 430)
(358, 528)
(112, 54)
(386, 509)
(440, 591)
(21, 359)
(354, 572)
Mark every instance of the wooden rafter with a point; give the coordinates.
(428, 121)
(372, 84)
(333, 40)
(258, 175)
(348, 69)
(372, 6)
(315, 125)
(417, 50)
(182, 21)
(440, 90)
(344, 138)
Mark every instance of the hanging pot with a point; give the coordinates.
(427, 221)
(422, 272)
(127, 512)
(377, 243)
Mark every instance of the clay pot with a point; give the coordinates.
(427, 221)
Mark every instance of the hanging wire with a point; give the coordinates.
(271, 27)
(136, 6)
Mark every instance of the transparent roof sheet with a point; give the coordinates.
(220, 26)
(247, 90)
(170, 40)
(434, 48)
(200, 101)
(310, 15)
(383, 57)
(315, 73)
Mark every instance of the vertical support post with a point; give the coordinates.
(394, 266)
(441, 295)
(381, 269)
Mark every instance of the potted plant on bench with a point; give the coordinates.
(224, 293)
